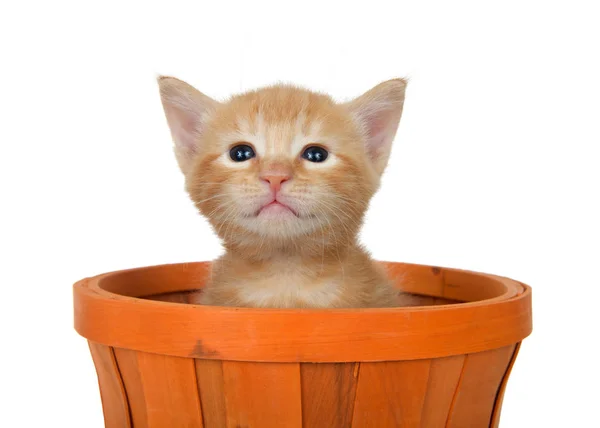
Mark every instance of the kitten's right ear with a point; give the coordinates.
(187, 111)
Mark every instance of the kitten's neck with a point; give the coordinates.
(299, 250)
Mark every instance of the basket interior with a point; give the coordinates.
(428, 285)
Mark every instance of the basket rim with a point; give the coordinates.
(302, 335)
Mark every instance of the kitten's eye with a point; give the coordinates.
(315, 154)
(241, 153)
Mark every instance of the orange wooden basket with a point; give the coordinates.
(166, 365)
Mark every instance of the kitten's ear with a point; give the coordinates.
(187, 111)
(378, 112)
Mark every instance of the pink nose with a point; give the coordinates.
(275, 181)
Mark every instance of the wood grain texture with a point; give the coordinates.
(417, 279)
(156, 280)
(209, 374)
(478, 387)
(328, 393)
(465, 286)
(391, 394)
(132, 380)
(114, 399)
(500, 397)
(170, 391)
(262, 395)
(273, 335)
(444, 375)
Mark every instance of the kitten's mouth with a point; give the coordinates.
(276, 208)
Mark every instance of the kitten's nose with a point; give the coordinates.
(275, 180)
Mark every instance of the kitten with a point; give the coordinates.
(285, 176)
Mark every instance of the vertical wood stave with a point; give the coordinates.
(132, 380)
(328, 393)
(114, 398)
(391, 394)
(265, 395)
(165, 390)
(500, 397)
(478, 387)
(209, 374)
(444, 375)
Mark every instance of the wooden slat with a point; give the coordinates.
(425, 280)
(212, 396)
(170, 391)
(478, 386)
(328, 392)
(443, 380)
(465, 286)
(262, 395)
(160, 279)
(391, 394)
(132, 380)
(112, 392)
(500, 397)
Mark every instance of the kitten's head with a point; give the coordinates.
(282, 165)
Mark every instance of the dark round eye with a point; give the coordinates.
(241, 153)
(315, 154)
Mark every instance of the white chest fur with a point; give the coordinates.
(289, 291)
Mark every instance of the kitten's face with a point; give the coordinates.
(281, 163)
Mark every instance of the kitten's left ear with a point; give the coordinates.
(187, 111)
(378, 113)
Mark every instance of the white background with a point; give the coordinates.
(495, 167)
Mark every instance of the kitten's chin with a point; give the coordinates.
(279, 222)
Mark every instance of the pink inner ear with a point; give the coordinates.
(189, 126)
(377, 136)
(375, 146)
(376, 124)
(185, 129)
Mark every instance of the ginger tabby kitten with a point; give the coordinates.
(284, 176)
